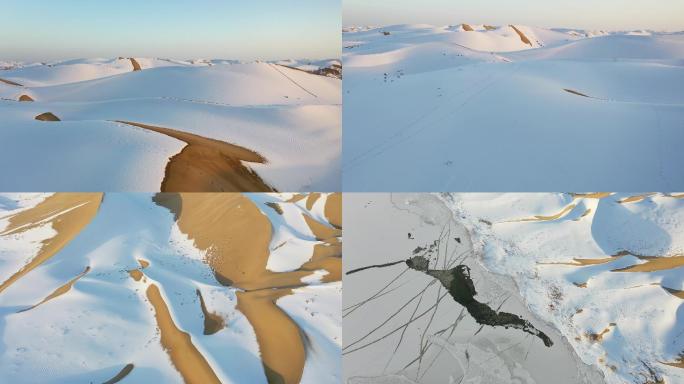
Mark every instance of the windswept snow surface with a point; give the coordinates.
(511, 108)
(105, 320)
(606, 270)
(284, 112)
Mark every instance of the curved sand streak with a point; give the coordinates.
(556, 216)
(68, 213)
(522, 36)
(10, 82)
(208, 165)
(121, 375)
(333, 209)
(61, 290)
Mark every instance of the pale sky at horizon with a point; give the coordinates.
(39, 30)
(581, 14)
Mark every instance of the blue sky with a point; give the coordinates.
(230, 29)
(589, 14)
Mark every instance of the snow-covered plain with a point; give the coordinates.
(511, 108)
(91, 331)
(601, 274)
(283, 111)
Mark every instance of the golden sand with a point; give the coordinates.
(311, 200)
(208, 165)
(25, 98)
(236, 236)
(212, 322)
(591, 195)
(61, 290)
(279, 337)
(674, 292)
(68, 213)
(489, 27)
(135, 64)
(296, 197)
(523, 38)
(636, 198)
(333, 209)
(178, 344)
(558, 215)
(467, 27)
(47, 116)
(121, 375)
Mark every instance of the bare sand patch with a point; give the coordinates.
(68, 213)
(135, 64)
(333, 209)
(178, 344)
(61, 290)
(522, 36)
(489, 27)
(208, 165)
(47, 116)
(121, 375)
(212, 322)
(467, 27)
(296, 197)
(25, 98)
(276, 207)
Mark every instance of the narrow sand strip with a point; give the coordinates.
(61, 290)
(591, 195)
(311, 200)
(636, 198)
(208, 165)
(121, 375)
(68, 213)
(522, 36)
(178, 344)
(10, 82)
(557, 216)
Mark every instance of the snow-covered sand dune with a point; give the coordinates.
(226, 288)
(472, 107)
(287, 113)
(607, 270)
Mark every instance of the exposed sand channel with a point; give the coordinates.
(236, 236)
(208, 165)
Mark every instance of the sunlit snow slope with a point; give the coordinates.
(607, 270)
(134, 124)
(511, 108)
(197, 288)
